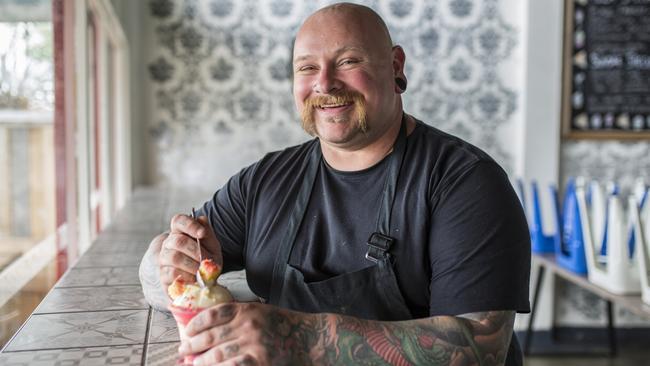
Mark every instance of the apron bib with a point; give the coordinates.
(369, 293)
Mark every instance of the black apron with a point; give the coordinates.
(368, 293)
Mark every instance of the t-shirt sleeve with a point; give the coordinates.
(226, 213)
(479, 244)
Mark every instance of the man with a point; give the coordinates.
(382, 241)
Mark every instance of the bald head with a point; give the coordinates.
(356, 18)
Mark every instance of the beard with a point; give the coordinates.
(359, 115)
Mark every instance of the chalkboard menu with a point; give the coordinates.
(606, 74)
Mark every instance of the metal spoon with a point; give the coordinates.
(199, 279)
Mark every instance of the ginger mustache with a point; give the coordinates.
(344, 98)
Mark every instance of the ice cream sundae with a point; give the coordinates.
(189, 299)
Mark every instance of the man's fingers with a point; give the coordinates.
(211, 317)
(211, 357)
(179, 260)
(209, 338)
(184, 224)
(203, 220)
(229, 351)
(211, 242)
(168, 274)
(241, 360)
(183, 244)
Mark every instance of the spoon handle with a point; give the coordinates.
(199, 279)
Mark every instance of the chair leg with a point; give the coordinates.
(611, 333)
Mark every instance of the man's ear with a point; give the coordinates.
(401, 85)
(399, 58)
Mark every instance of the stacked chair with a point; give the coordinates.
(640, 217)
(609, 240)
(597, 233)
(569, 242)
(541, 242)
(566, 242)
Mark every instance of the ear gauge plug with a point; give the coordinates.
(401, 84)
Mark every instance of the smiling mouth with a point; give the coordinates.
(343, 106)
(334, 105)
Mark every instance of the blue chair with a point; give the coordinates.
(541, 243)
(569, 243)
(641, 194)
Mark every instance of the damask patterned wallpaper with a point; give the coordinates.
(617, 161)
(220, 73)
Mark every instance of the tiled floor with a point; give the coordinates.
(86, 329)
(162, 328)
(93, 260)
(632, 357)
(117, 355)
(106, 276)
(589, 348)
(66, 300)
(162, 354)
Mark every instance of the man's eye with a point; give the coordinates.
(348, 62)
(306, 68)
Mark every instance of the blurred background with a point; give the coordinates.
(98, 97)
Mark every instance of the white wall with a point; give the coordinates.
(541, 131)
(132, 15)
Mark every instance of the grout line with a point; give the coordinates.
(164, 342)
(96, 286)
(66, 348)
(91, 266)
(145, 347)
(90, 311)
(102, 267)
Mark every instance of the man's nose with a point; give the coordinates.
(326, 81)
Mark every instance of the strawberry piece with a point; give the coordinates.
(209, 270)
(176, 288)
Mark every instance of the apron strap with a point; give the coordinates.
(378, 245)
(380, 241)
(282, 256)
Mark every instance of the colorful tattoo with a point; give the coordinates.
(326, 339)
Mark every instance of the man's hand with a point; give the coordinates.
(179, 255)
(251, 334)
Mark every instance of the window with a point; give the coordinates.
(64, 142)
(27, 189)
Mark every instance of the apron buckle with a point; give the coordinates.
(378, 245)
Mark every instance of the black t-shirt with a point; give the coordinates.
(462, 242)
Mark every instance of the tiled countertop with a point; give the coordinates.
(96, 314)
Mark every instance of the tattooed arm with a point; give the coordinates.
(470, 339)
(258, 334)
(149, 273)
